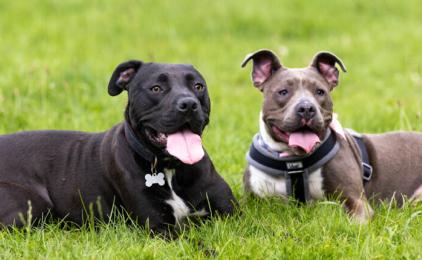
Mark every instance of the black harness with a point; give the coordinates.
(366, 166)
(296, 170)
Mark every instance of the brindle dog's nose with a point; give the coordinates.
(305, 110)
(187, 104)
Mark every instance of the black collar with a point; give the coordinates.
(136, 145)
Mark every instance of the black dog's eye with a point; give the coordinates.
(156, 89)
(199, 87)
(320, 92)
(283, 92)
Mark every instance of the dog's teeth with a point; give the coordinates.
(161, 138)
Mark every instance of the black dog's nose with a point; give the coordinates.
(187, 104)
(305, 110)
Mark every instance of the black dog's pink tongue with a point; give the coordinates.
(304, 139)
(185, 146)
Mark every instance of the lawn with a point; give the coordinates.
(57, 57)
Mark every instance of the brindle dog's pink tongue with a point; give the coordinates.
(185, 146)
(304, 139)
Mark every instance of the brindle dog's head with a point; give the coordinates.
(163, 99)
(297, 102)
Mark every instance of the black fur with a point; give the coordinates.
(65, 171)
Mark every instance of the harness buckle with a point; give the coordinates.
(367, 171)
(295, 172)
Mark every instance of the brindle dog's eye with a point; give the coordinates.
(283, 92)
(320, 92)
(155, 89)
(199, 87)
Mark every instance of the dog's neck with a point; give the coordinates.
(136, 144)
(150, 158)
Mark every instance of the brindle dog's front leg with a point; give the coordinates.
(343, 178)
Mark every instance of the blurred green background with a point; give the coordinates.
(57, 57)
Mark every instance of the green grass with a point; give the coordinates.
(57, 56)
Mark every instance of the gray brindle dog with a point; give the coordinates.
(152, 165)
(296, 118)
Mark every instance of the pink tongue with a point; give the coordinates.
(185, 146)
(303, 139)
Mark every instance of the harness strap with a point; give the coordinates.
(294, 169)
(275, 165)
(299, 186)
(366, 166)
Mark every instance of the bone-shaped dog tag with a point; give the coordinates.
(151, 179)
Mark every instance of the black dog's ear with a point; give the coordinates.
(265, 63)
(325, 63)
(122, 75)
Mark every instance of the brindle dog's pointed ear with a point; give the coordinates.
(265, 63)
(325, 63)
(122, 75)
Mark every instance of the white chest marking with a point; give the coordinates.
(180, 209)
(265, 185)
(315, 185)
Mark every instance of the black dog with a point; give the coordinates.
(152, 165)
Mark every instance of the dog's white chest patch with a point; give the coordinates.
(315, 185)
(180, 209)
(265, 185)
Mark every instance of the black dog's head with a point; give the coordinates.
(168, 105)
